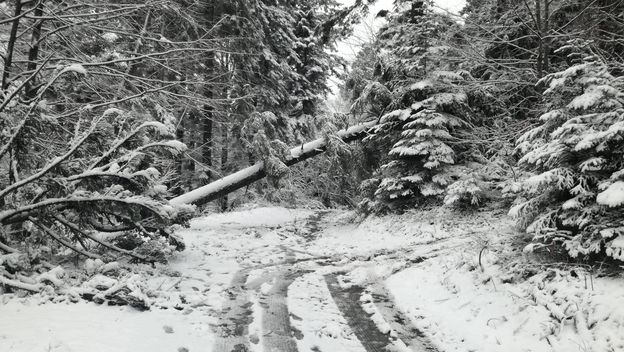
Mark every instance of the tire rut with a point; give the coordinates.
(278, 335)
(348, 302)
(277, 332)
(233, 327)
(400, 322)
(236, 316)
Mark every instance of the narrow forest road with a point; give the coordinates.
(284, 280)
(293, 287)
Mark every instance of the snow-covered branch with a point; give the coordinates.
(63, 242)
(55, 162)
(149, 124)
(23, 212)
(93, 238)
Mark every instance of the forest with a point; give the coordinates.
(121, 121)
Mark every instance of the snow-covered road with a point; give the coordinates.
(276, 279)
(292, 290)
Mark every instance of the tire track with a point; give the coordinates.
(348, 302)
(365, 329)
(277, 332)
(278, 335)
(399, 322)
(233, 327)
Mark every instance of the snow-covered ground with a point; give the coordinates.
(276, 279)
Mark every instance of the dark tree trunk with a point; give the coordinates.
(33, 53)
(207, 141)
(546, 35)
(538, 29)
(8, 59)
(213, 12)
(180, 161)
(224, 161)
(192, 144)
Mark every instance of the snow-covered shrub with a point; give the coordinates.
(369, 204)
(575, 198)
(465, 192)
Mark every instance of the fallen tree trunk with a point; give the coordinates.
(256, 172)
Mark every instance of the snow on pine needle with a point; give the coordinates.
(576, 194)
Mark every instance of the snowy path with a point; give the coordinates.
(262, 312)
(267, 279)
(280, 280)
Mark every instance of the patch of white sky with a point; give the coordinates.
(365, 31)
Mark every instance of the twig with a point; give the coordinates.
(516, 330)
(480, 254)
(591, 280)
(174, 285)
(63, 242)
(108, 245)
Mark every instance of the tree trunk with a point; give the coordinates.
(213, 12)
(33, 53)
(207, 141)
(546, 35)
(192, 144)
(224, 160)
(245, 177)
(8, 58)
(180, 161)
(538, 29)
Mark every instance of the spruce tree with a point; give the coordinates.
(575, 199)
(429, 101)
(424, 159)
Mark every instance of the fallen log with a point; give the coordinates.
(253, 173)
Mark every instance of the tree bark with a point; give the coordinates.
(8, 59)
(214, 11)
(224, 160)
(207, 141)
(546, 35)
(540, 50)
(33, 52)
(180, 136)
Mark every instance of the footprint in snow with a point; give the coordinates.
(168, 329)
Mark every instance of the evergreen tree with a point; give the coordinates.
(424, 158)
(434, 107)
(575, 199)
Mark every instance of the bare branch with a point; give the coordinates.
(63, 242)
(108, 245)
